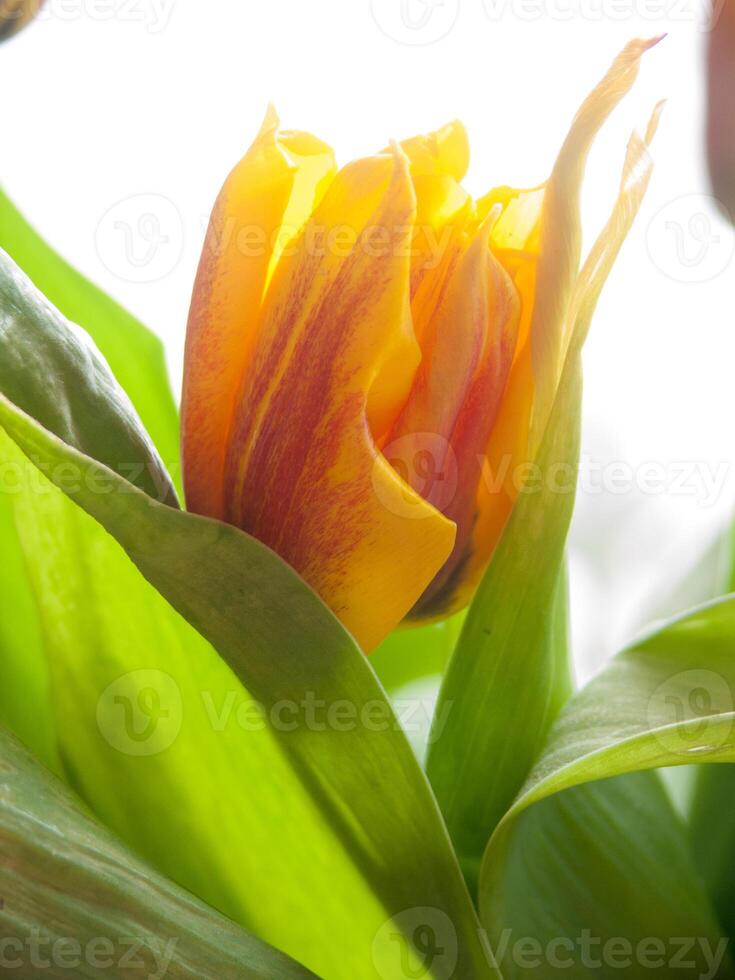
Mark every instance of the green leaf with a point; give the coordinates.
(25, 702)
(142, 700)
(712, 838)
(354, 765)
(52, 370)
(599, 880)
(73, 898)
(134, 354)
(666, 701)
(137, 359)
(163, 742)
(711, 824)
(509, 675)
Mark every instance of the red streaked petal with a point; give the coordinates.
(275, 182)
(303, 472)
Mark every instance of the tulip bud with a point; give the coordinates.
(15, 14)
(371, 355)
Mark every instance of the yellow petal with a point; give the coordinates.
(437, 161)
(303, 472)
(274, 184)
(445, 152)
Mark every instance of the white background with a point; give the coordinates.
(117, 100)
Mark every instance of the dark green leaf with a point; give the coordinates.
(52, 370)
(134, 354)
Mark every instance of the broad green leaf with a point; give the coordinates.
(52, 370)
(141, 700)
(25, 703)
(163, 742)
(354, 764)
(712, 838)
(712, 805)
(134, 354)
(509, 675)
(599, 880)
(668, 700)
(76, 902)
(136, 357)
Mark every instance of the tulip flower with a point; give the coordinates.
(367, 345)
(15, 14)
(721, 93)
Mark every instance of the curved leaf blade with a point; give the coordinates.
(75, 898)
(668, 700)
(599, 879)
(150, 721)
(51, 369)
(285, 646)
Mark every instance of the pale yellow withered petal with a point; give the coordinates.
(561, 233)
(557, 300)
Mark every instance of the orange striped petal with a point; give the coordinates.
(468, 351)
(437, 161)
(303, 473)
(265, 199)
